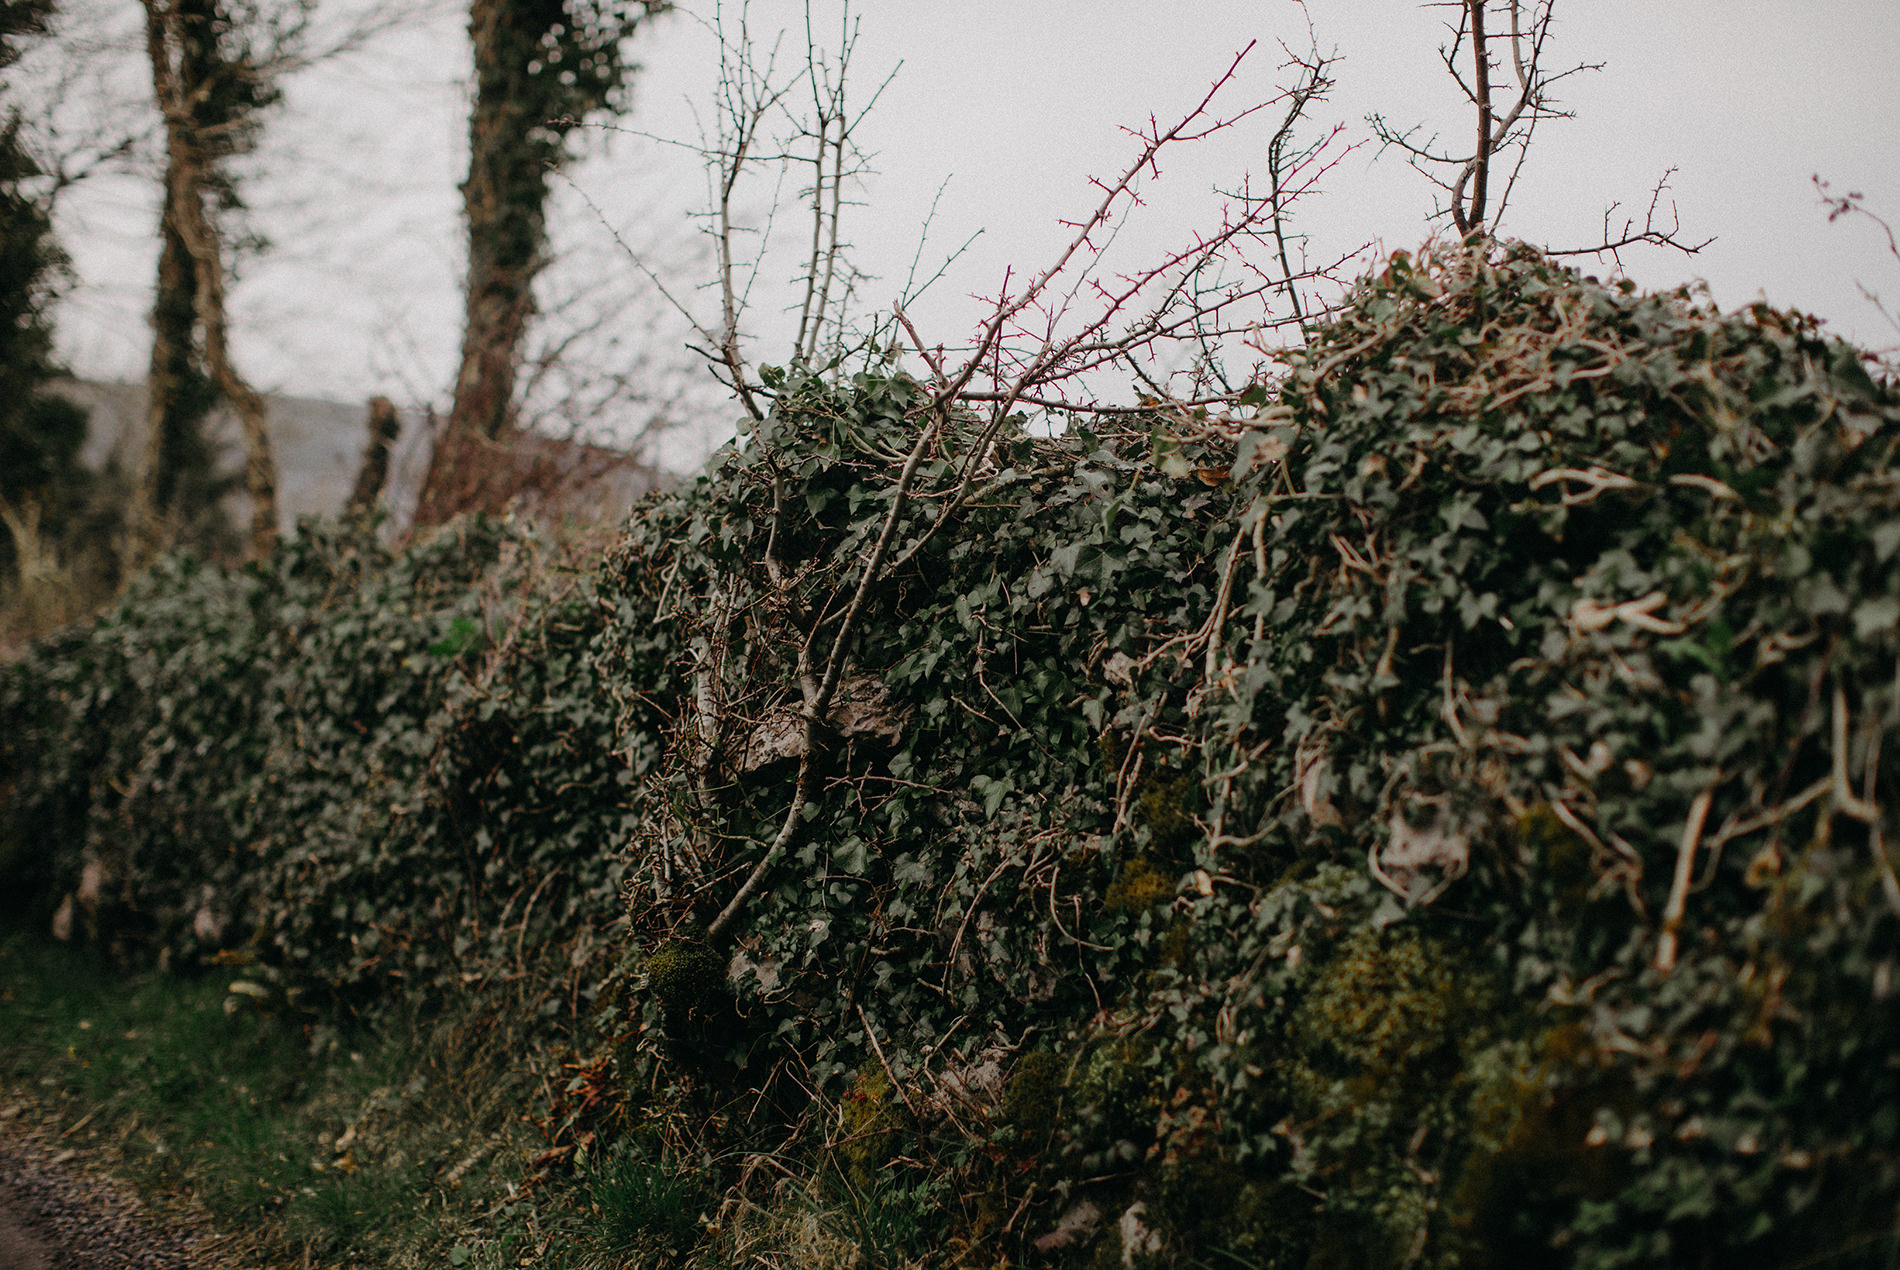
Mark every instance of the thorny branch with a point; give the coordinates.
(1852, 204)
(1653, 233)
(1133, 317)
(1136, 315)
(1284, 154)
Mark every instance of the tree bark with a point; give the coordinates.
(373, 471)
(541, 67)
(171, 418)
(503, 204)
(187, 184)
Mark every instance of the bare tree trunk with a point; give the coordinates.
(503, 203)
(186, 187)
(167, 414)
(187, 194)
(541, 68)
(471, 461)
(373, 472)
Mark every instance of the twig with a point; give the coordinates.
(950, 958)
(1685, 872)
(871, 1033)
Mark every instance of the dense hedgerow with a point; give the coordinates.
(351, 766)
(1442, 826)
(1433, 815)
(1593, 596)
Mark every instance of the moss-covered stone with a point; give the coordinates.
(686, 976)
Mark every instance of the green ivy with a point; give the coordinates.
(1433, 813)
(346, 766)
(1505, 571)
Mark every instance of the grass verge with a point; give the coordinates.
(410, 1142)
(302, 1143)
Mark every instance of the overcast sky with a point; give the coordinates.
(1009, 107)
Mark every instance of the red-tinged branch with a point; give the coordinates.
(1178, 312)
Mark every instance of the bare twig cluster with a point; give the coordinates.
(1043, 344)
(1849, 205)
(1507, 110)
(759, 129)
(1499, 58)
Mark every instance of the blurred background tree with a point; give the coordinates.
(542, 69)
(44, 491)
(215, 69)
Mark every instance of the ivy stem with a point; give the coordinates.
(1685, 871)
(817, 702)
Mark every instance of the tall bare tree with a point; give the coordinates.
(214, 67)
(542, 68)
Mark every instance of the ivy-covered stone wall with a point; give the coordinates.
(1430, 813)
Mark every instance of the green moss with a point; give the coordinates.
(1387, 1001)
(1115, 1093)
(1546, 842)
(1033, 1098)
(1528, 1155)
(1164, 799)
(873, 1119)
(1139, 886)
(1165, 804)
(1175, 944)
(1389, 1060)
(686, 976)
(1113, 750)
(1561, 866)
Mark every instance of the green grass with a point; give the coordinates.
(400, 1145)
(644, 1208)
(347, 1148)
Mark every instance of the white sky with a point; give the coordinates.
(1016, 104)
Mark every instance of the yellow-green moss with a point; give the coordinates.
(1386, 1000)
(873, 1117)
(1114, 1086)
(1527, 1130)
(1138, 887)
(1553, 849)
(1559, 862)
(1165, 803)
(1164, 799)
(1380, 1061)
(1033, 1097)
(1173, 946)
(686, 975)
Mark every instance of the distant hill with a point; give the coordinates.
(319, 444)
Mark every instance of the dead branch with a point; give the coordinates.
(1852, 204)
(1653, 233)
(1312, 83)
(1678, 901)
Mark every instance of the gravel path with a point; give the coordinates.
(54, 1218)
